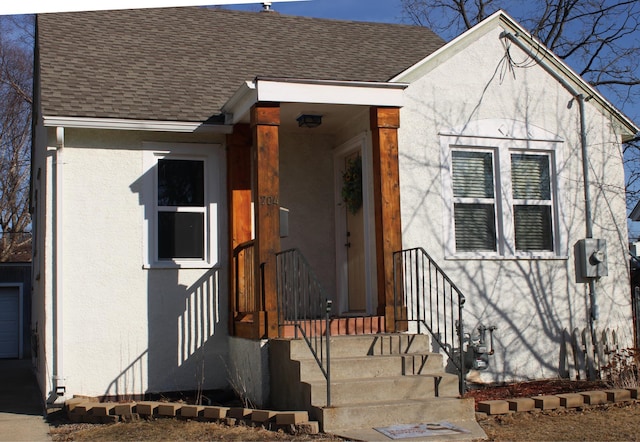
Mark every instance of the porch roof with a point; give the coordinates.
(320, 92)
(184, 64)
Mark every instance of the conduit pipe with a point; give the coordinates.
(59, 388)
(585, 159)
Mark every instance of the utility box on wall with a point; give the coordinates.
(592, 257)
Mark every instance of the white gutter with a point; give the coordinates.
(143, 125)
(58, 305)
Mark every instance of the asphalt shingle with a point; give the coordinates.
(185, 63)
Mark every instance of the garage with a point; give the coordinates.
(10, 322)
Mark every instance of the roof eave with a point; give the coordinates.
(137, 125)
(291, 90)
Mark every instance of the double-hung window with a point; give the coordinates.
(182, 195)
(532, 202)
(503, 199)
(181, 209)
(474, 200)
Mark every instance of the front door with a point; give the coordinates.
(354, 234)
(355, 250)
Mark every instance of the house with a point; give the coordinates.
(168, 143)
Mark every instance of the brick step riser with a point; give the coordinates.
(335, 419)
(383, 390)
(366, 346)
(339, 327)
(373, 367)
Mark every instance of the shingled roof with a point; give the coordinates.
(183, 64)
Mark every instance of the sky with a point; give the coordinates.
(386, 11)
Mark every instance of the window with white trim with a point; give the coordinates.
(181, 197)
(532, 203)
(474, 203)
(181, 216)
(503, 200)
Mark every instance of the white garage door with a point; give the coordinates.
(9, 322)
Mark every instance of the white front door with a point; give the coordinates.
(354, 243)
(355, 253)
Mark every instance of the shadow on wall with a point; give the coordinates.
(187, 340)
(186, 335)
(184, 350)
(130, 384)
(532, 301)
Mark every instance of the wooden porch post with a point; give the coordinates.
(265, 122)
(239, 200)
(386, 175)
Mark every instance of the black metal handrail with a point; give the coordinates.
(432, 301)
(303, 305)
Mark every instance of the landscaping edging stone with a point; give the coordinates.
(89, 410)
(557, 401)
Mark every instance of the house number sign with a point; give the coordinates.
(268, 200)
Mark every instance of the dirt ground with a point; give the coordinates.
(611, 422)
(172, 430)
(615, 422)
(619, 422)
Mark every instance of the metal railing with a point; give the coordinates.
(432, 302)
(303, 305)
(244, 278)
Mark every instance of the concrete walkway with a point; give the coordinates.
(21, 407)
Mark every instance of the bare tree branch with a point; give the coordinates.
(16, 78)
(599, 39)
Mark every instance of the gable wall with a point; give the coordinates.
(531, 301)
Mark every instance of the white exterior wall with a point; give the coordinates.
(127, 330)
(306, 189)
(531, 301)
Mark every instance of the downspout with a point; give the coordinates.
(58, 374)
(585, 161)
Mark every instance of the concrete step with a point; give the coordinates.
(373, 366)
(384, 389)
(339, 418)
(376, 381)
(364, 345)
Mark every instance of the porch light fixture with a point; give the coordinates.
(310, 121)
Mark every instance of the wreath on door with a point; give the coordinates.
(352, 184)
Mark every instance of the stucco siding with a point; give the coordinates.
(130, 330)
(531, 301)
(307, 190)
